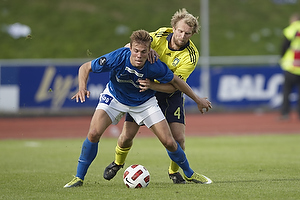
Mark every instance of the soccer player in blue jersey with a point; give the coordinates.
(174, 47)
(123, 94)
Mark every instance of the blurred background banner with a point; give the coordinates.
(45, 88)
(44, 42)
(240, 88)
(49, 88)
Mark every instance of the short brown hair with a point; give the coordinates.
(141, 37)
(189, 19)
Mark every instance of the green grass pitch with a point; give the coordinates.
(242, 167)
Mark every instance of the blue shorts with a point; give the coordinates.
(172, 106)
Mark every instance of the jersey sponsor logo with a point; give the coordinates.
(102, 61)
(132, 71)
(105, 98)
(127, 81)
(168, 54)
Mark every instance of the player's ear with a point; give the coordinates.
(130, 45)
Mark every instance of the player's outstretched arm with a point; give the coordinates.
(83, 74)
(202, 103)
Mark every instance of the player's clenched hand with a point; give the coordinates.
(80, 95)
(204, 105)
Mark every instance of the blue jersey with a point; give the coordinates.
(123, 77)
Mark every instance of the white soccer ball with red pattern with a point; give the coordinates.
(136, 176)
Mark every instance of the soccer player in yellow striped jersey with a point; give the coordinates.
(182, 60)
(174, 47)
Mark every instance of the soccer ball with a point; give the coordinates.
(136, 176)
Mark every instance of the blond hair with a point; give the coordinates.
(189, 19)
(141, 37)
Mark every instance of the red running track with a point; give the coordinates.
(210, 124)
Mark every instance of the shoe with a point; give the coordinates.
(111, 170)
(198, 178)
(76, 182)
(177, 178)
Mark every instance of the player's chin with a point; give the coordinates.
(139, 63)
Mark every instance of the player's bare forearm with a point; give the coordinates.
(202, 103)
(146, 84)
(162, 87)
(83, 74)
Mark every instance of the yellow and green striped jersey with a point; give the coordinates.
(181, 62)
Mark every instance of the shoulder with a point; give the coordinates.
(160, 72)
(155, 66)
(160, 63)
(159, 67)
(161, 32)
(115, 57)
(290, 31)
(191, 53)
(193, 46)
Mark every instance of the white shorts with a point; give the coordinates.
(148, 113)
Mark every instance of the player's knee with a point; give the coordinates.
(181, 143)
(124, 141)
(170, 144)
(182, 146)
(94, 135)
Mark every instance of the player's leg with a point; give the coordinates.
(104, 115)
(125, 140)
(173, 108)
(175, 152)
(287, 89)
(162, 130)
(90, 146)
(130, 129)
(178, 132)
(163, 133)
